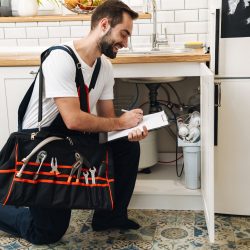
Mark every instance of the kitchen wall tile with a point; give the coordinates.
(86, 23)
(7, 24)
(185, 37)
(203, 15)
(194, 4)
(141, 41)
(71, 23)
(174, 28)
(67, 39)
(141, 21)
(26, 24)
(145, 29)
(1, 33)
(196, 27)
(8, 42)
(37, 32)
(135, 30)
(15, 33)
(59, 31)
(27, 42)
(203, 38)
(48, 24)
(165, 16)
(49, 41)
(172, 4)
(184, 20)
(186, 15)
(79, 31)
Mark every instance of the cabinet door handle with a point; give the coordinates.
(32, 72)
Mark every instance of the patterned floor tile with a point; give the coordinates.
(241, 228)
(132, 245)
(160, 229)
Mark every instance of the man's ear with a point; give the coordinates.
(104, 25)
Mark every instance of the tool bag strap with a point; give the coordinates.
(79, 80)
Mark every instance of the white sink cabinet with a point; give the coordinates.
(149, 194)
(166, 194)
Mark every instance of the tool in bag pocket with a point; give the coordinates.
(40, 159)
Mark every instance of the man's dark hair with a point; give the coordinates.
(113, 10)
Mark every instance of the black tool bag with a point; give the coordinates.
(53, 166)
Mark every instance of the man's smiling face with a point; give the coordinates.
(116, 37)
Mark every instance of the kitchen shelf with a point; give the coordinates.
(56, 18)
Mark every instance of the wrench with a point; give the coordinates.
(86, 174)
(92, 172)
(40, 158)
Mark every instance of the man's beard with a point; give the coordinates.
(107, 46)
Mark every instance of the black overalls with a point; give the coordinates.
(44, 226)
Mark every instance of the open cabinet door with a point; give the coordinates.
(207, 146)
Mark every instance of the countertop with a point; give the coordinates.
(32, 58)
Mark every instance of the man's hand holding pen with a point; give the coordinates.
(131, 119)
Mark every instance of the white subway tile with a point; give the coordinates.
(37, 32)
(170, 39)
(203, 15)
(172, 4)
(68, 39)
(136, 3)
(135, 29)
(141, 41)
(165, 16)
(71, 23)
(1, 33)
(79, 31)
(49, 41)
(196, 4)
(59, 31)
(173, 28)
(141, 21)
(145, 29)
(7, 24)
(27, 42)
(26, 24)
(15, 32)
(203, 38)
(8, 42)
(48, 24)
(186, 15)
(196, 27)
(185, 38)
(86, 23)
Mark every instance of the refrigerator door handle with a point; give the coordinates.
(217, 104)
(218, 95)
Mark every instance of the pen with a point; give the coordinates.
(124, 110)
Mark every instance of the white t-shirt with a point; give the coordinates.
(59, 81)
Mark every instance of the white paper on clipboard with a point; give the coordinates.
(151, 121)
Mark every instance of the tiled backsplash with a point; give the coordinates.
(184, 20)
